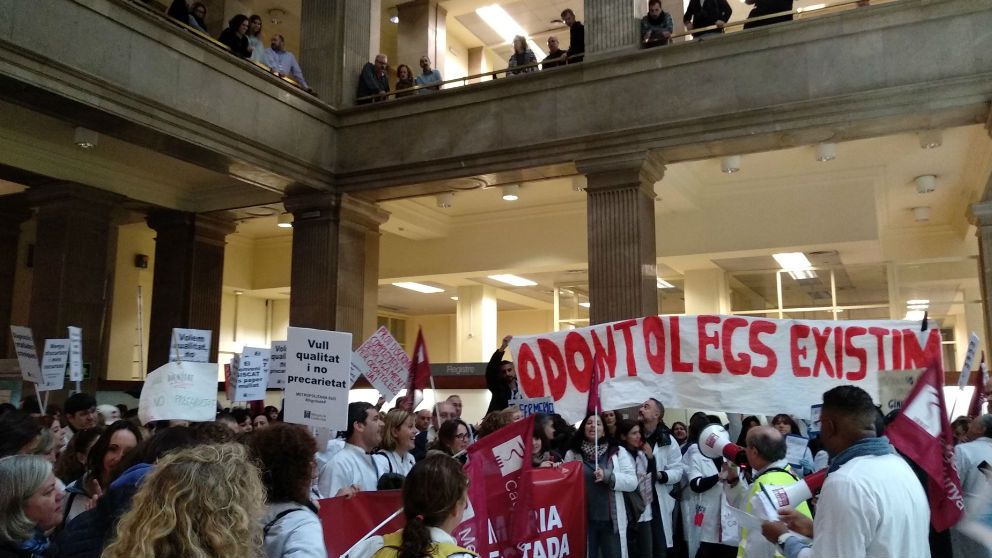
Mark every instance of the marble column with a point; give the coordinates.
(14, 211)
(622, 256)
(980, 215)
(73, 267)
(421, 31)
(336, 40)
(189, 277)
(612, 24)
(335, 266)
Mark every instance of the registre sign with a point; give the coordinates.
(317, 370)
(27, 355)
(190, 345)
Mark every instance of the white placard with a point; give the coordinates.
(795, 449)
(814, 419)
(894, 387)
(317, 370)
(253, 374)
(27, 355)
(387, 366)
(180, 391)
(277, 365)
(357, 368)
(193, 345)
(969, 360)
(53, 363)
(534, 405)
(75, 354)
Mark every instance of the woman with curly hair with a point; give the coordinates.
(285, 452)
(205, 501)
(434, 498)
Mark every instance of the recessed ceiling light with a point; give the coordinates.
(918, 301)
(285, 220)
(419, 287)
(799, 274)
(662, 284)
(730, 164)
(511, 192)
(513, 280)
(826, 152)
(792, 260)
(455, 298)
(584, 304)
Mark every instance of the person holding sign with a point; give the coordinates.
(609, 472)
(352, 468)
(501, 380)
(398, 436)
(787, 425)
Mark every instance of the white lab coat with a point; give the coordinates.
(968, 457)
(668, 459)
(872, 506)
(391, 462)
(297, 534)
(624, 480)
(708, 503)
(349, 466)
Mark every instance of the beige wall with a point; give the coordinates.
(439, 335)
(123, 359)
(21, 303)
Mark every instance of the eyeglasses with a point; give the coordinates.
(462, 436)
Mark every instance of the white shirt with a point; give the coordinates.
(872, 506)
(323, 457)
(967, 458)
(374, 544)
(349, 466)
(391, 462)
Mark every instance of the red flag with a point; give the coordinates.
(420, 372)
(496, 466)
(978, 398)
(346, 520)
(592, 405)
(922, 433)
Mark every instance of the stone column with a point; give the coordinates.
(73, 268)
(335, 267)
(622, 257)
(421, 31)
(189, 277)
(612, 24)
(336, 40)
(707, 291)
(475, 323)
(14, 211)
(980, 215)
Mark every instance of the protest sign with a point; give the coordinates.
(894, 387)
(317, 366)
(358, 367)
(814, 420)
(731, 363)
(251, 377)
(969, 360)
(386, 364)
(53, 363)
(190, 345)
(534, 405)
(795, 449)
(181, 391)
(27, 355)
(75, 354)
(277, 365)
(346, 520)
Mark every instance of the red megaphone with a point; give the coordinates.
(714, 442)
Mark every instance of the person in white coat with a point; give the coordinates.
(665, 464)
(398, 435)
(352, 468)
(609, 471)
(974, 462)
(290, 526)
(702, 498)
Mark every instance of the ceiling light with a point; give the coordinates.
(238, 293)
(455, 298)
(931, 139)
(584, 304)
(918, 301)
(511, 192)
(85, 138)
(501, 22)
(394, 14)
(921, 214)
(925, 184)
(276, 15)
(792, 260)
(419, 287)
(802, 274)
(917, 306)
(513, 280)
(444, 200)
(826, 152)
(285, 220)
(915, 315)
(662, 284)
(731, 164)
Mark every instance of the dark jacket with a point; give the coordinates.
(576, 42)
(369, 83)
(238, 45)
(766, 7)
(496, 385)
(706, 13)
(554, 59)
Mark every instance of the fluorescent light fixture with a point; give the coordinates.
(511, 192)
(538, 51)
(792, 260)
(917, 306)
(513, 280)
(662, 284)
(419, 287)
(285, 220)
(826, 152)
(455, 298)
(501, 22)
(800, 274)
(918, 301)
(915, 315)
(730, 164)
(584, 304)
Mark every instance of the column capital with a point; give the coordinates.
(611, 172)
(73, 195)
(212, 228)
(362, 212)
(314, 206)
(980, 214)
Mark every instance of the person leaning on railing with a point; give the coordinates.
(706, 13)
(768, 7)
(373, 81)
(657, 26)
(522, 56)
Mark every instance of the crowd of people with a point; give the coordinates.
(248, 484)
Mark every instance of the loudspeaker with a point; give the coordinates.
(791, 495)
(714, 442)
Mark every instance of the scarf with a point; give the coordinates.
(589, 452)
(37, 544)
(864, 446)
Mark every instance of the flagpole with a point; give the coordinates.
(437, 419)
(370, 533)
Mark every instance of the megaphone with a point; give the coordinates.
(791, 495)
(714, 442)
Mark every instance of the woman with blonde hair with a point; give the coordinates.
(204, 501)
(398, 438)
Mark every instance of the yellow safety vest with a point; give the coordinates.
(771, 478)
(391, 547)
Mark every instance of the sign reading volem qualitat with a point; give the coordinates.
(190, 345)
(318, 363)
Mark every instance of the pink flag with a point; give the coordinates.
(592, 406)
(922, 433)
(420, 372)
(978, 398)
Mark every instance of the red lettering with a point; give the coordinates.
(742, 364)
(575, 344)
(860, 354)
(708, 340)
(758, 347)
(677, 364)
(821, 338)
(607, 358)
(529, 372)
(896, 350)
(554, 368)
(628, 341)
(920, 357)
(880, 334)
(839, 351)
(797, 332)
(654, 343)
